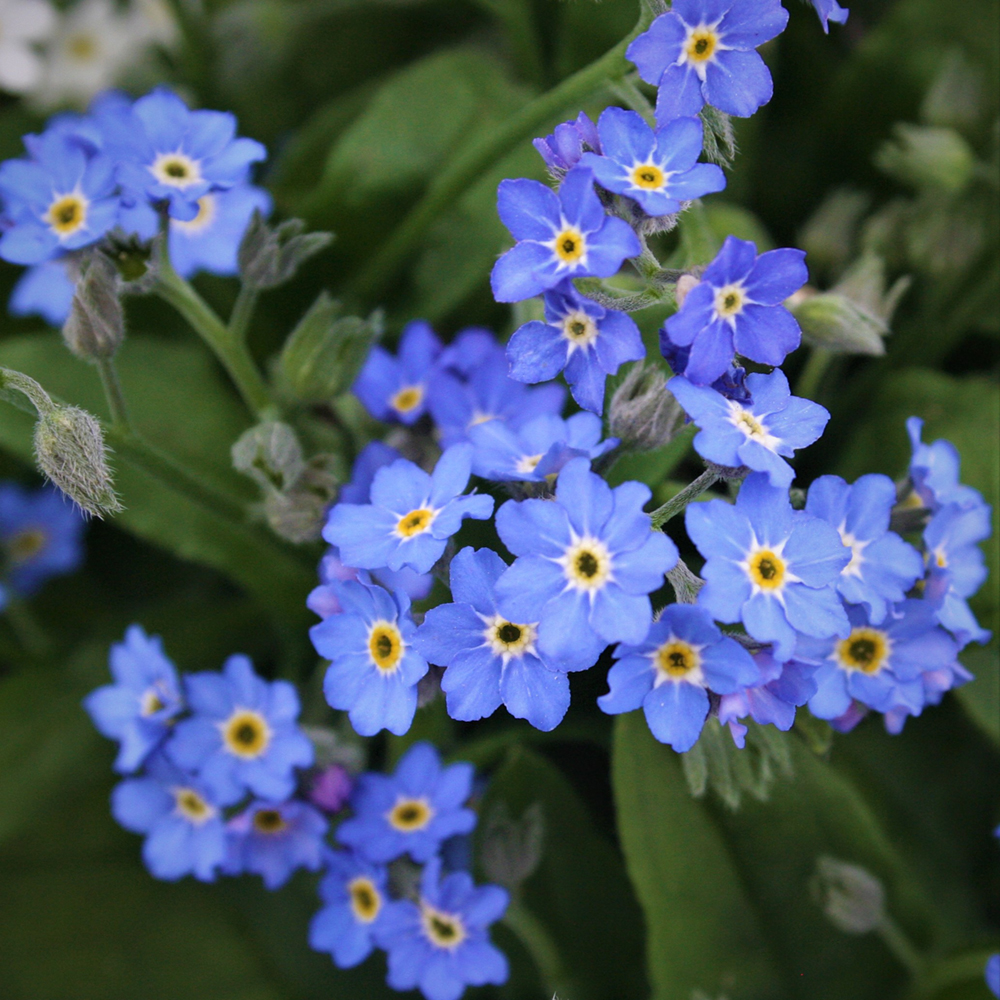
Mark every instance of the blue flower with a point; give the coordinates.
(489, 660)
(273, 839)
(210, 240)
(354, 894)
(41, 536)
(471, 348)
(587, 563)
(564, 235)
(781, 689)
(737, 308)
(562, 150)
(753, 433)
(323, 599)
(139, 708)
(395, 388)
(243, 734)
(934, 472)
(167, 153)
(411, 515)
(702, 52)
(684, 657)
(993, 974)
(830, 10)
(881, 665)
(441, 944)
(659, 170)
(44, 290)
(579, 336)
(929, 689)
(771, 567)
(539, 449)
(731, 383)
(883, 567)
(60, 200)
(956, 567)
(185, 832)
(412, 812)
(374, 668)
(487, 394)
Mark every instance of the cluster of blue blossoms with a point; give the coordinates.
(132, 169)
(221, 780)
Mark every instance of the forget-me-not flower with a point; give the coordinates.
(771, 567)
(883, 567)
(139, 708)
(440, 944)
(411, 811)
(756, 432)
(564, 235)
(374, 667)
(394, 387)
(243, 734)
(702, 52)
(489, 660)
(586, 565)
(737, 309)
(934, 472)
(44, 290)
(660, 169)
(578, 337)
(411, 515)
(669, 675)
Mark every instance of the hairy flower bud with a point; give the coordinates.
(270, 454)
(95, 327)
(512, 848)
(643, 413)
(270, 255)
(852, 898)
(928, 157)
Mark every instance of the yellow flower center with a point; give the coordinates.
(206, 213)
(570, 245)
(269, 821)
(409, 815)
(444, 930)
(408, 398)
(587, 564)
(176, 170)
(767, 569)
(676, 658)
(865, 649)
(415, 523)
(83, 48)
(67, 214)
(151, 703)
(26, 544)
(246, 734)
(192, 806)
(366, 900)
(701, 45)
(385, 644)
(647, 176)
(729, 301)
(528, 463)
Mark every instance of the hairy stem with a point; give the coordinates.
(692, 491)
(239, 320)
(537, 941)
(113, 392)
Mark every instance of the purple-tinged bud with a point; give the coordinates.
(562, 150)
(331, 788)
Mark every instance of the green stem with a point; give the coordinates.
(537, 941)
(484, 152)
(677, 503)
(113, 392)
(233, 353)
(239, 320)
(632, 97)
(902, 948)
(26, 627)
(813, 372)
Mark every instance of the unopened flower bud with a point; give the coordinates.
(686, 284)
(95, 327)
(852, 898)
(270, 454)
(69, 449)
(512, 849)
(928, 157)
(271, 255)
(325, 352)
(331, 788)
(644, 414)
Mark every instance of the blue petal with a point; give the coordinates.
(523, 272)
(766, 334)
(584, 496)
(536, 352)
(625, 137)
(529, 209)
(472, 684)
(680, 94)
(525, 588)
(776, 276)
(737, 83)
(531, 691)
(448, 629)
(657, 48)
(630, 680)
(765, 620)
(676, 712)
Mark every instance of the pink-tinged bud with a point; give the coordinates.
(686, 283)
(331, 788)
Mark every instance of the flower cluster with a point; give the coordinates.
(134, 168)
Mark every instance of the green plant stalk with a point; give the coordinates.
(676, 504)
(113, 392)
(476, 158)
(537, 941)
(812, 373)
(632, 97)
(230, 350)
(239, 320)
(902, 948)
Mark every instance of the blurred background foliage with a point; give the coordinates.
(882, 137)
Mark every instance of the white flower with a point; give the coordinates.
(22, 23)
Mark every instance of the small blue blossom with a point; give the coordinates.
(830, 10)
(139, 708)
(411, 515)
(58, 201)
(993, 974)
(182, 820)
(929, 689)
(587, 564)
(273, 839)
(41, 536)
(753, 433)
(374, 668)
(395, 388)
(562, 150)
(771, 567)
(578, 337)
(781, 689)
(243, 734)
(684, 657)
(539, 449)
(883, 567)
(934, 472)
(354, 894)
(731, 383)
(564, 235)
(660, 169)
(737, 308)
(878, 665)
(441, 944)
(168, 153)
(702, 52)
(489, 660)
(44, 290)
(471, 348)
(412, 812)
